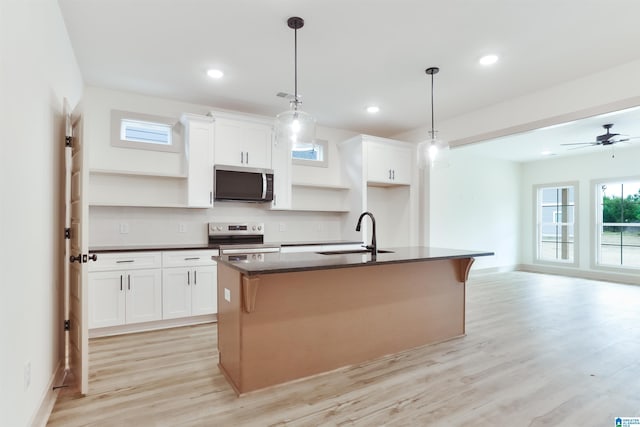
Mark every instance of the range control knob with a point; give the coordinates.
(259, 227)
(219, 228)
(253, 228)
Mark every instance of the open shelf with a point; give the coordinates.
(135, 173)
(320, 186)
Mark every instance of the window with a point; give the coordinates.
(556, 210)
(311, 154)
(618, 224)
(144, 131)
(139, 131)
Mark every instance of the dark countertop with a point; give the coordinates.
(203, 246)
(291, 262)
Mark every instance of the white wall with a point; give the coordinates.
(474, 204)
(38, 69)
(162, 225)
(584, 169)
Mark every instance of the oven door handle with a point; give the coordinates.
(250, 251)
(264, 185)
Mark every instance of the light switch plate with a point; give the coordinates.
(227, 295)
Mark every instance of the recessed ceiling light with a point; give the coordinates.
(215, 74)
(372, 109)
(488, 60)
(547, 153)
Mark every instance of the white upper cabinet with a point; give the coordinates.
(242, 142)
(199, 142)
(389, 164)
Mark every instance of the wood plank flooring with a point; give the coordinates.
(540, 351)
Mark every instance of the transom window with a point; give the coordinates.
(145, 132)
(310, 154)
(148, 132)
(618, 225)
(556, 210)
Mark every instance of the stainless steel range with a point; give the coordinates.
(240, 240)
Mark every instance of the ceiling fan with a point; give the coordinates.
(606, 138)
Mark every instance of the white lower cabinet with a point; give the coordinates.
(189, 291)
(123, 297)
(134, 287)
(189, 284)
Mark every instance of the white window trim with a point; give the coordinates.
(324, 163)
(536, 225)
(596, 185)
(176, 136)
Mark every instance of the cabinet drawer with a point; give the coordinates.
(188, 258)
(126, 261)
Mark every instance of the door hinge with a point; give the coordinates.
(67, 141)
(67, 233)
(67, 325)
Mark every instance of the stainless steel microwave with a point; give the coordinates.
(242, 184)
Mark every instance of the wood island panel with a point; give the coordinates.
(303, 323)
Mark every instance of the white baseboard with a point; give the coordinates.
(581, 274)
(49, 397)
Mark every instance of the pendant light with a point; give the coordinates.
(295, 126)
(434, 151)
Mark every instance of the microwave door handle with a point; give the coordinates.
(264, 185)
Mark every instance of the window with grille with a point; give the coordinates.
(618, 224)
(555, 231)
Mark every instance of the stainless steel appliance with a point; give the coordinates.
(240, 241)
(242, 184)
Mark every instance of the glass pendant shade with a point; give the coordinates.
(295, 127)
(434, 152)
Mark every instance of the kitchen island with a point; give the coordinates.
(284, 316)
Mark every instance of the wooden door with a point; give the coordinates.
(78, 346)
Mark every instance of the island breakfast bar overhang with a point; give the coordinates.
(290, 316)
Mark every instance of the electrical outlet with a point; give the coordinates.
(124, 228)
(283, 226)
(27, 375)
(182, 227)
(227, 295)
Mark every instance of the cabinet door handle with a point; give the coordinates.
(121, 282)
(191, 258)
(195, 277)
(242, 157)
(211, 197)
(124, 261)
(128, 281)
(247, 157)
(389, 173)
(188, 278)
(393, 174)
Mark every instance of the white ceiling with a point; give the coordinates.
(353, 53)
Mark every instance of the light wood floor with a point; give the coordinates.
(540, 351)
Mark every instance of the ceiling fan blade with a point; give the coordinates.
(583, 143)
(582, 146)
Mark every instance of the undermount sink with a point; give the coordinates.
(353, 251)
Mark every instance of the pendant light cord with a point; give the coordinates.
(433, 132)
(295, 66)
